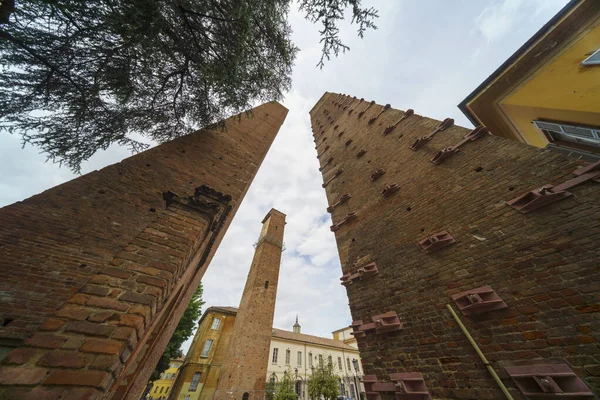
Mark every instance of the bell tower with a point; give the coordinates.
(245, 369)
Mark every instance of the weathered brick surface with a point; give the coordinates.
(247, 356)
(103, 267)
(544, 265)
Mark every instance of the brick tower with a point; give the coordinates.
(424, 231)
(97, 272)
(244, 373)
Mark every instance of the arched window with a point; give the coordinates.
(299, 388)
(246, 396)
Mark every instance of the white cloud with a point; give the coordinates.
(501, 16)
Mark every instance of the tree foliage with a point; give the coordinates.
(324, 382)
(78, 76)
(184, 330)
(270, 389)
(286, 388)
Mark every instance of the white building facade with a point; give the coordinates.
(299, 354)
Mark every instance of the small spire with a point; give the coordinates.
(296, 325)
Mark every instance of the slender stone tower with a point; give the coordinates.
(243, 375)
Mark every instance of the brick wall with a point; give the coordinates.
(244, 368)
(544, 264)
(97, 272)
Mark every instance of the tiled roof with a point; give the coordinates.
(301, 337)
(231, 310)
(298, 337)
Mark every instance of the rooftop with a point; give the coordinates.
(301, 337)
(287, 335)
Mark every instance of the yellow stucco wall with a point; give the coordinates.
(209, 366)
(162, 387)
(561, 90)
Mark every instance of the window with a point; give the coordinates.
(594, 59)
(330, 360)
(310, 362)
(161, 389)
(155, 389)
(287, 356)
(570, 133)
(321, 360)
(187, 397)
(340, 363)
(356, 366)
(215, 324)
(275, 353)
(167, 391)
(195, 381)
(299, 358)
(348, 363)
(206, 349)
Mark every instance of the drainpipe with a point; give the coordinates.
(304, 386)
(480, 354)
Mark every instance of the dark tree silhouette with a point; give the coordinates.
(78, 76)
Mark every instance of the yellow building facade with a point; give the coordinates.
(289, 351)
(547, 94)
(200, 371)
(162, 387)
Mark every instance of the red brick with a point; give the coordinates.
(92, 378)
(70, 311)
(527, 309)
(162, 265)
(117, 272)
(20, 355)
(45, 340)
(593, 308)
(149, 280)
(586, 339)
(52, 324)
(101, 316)
(64, 359)
(92, 345)
(105, 362)
(104, 302)
(22, 376)
(95, 290)
(83, 394)
(38, 393)
(78, 298)
(73, 343)
(99, 279)
(134, 321)
(90, 328)
(139, 298)
(128, 334)
(584, 329)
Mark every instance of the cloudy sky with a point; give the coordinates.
(427, 55)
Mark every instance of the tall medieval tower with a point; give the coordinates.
(104, 266)
(243, 376)
(500, 236)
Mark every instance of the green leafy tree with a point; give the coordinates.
(78, 76)
(324, 382)
(270, 390)
(286, 390)
(184, 330)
